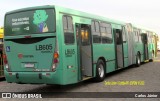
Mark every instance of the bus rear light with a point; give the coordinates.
(5, 59)
(55, 60)
(6, 62)
(53, 67)
(56, 55)
(7, 67)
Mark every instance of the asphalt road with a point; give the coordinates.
(147, 77)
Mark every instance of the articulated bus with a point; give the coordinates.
(56, 45)
(144, 43)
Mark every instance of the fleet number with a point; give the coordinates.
(44, 47)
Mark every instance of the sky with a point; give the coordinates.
(145, 13)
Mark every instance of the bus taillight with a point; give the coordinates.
(56, 55)
(55, 61)
(5, 59)
(6, 62)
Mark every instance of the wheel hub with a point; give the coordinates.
(101, 71)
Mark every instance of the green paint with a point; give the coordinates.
(38, 54)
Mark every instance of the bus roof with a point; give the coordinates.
(81, 14)
(69, 11)
(87, 15)
(29, 8)
(144, 29)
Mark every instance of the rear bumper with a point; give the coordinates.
(33, 77)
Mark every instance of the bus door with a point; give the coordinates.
(84, 50)
(119, 48)
(145, 45)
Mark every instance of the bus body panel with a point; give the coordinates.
(68, 67)
(125, 48)
(30, 54)
(34, 77)
(106, 51)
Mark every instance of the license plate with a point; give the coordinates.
(29, 65)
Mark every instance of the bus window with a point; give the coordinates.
(96, 32)
(118, 37)
(68, 30)
(85, 36)
(37, 21)
(140, 39)
(124, 35)
(106, 33)
(148, 36)
(65, 23)
(135, 34)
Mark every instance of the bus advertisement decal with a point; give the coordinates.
(40, 17)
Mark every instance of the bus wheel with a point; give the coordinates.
(138, 60)
(100, 71)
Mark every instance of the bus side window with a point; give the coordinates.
(140, 37)
(106, 32)
(96, 32)
(68, 30)
(124, 34)
(85, 36)
(118, 36)
(135, 34)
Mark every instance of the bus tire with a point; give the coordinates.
(138, 60)
(100, 71)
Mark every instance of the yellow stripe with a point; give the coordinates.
(146, 61)
(156, 60)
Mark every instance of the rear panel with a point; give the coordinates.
(30, 43)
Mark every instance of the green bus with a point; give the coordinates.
(144, 43)
(57, 45)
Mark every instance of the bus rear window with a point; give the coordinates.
(30, 22)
